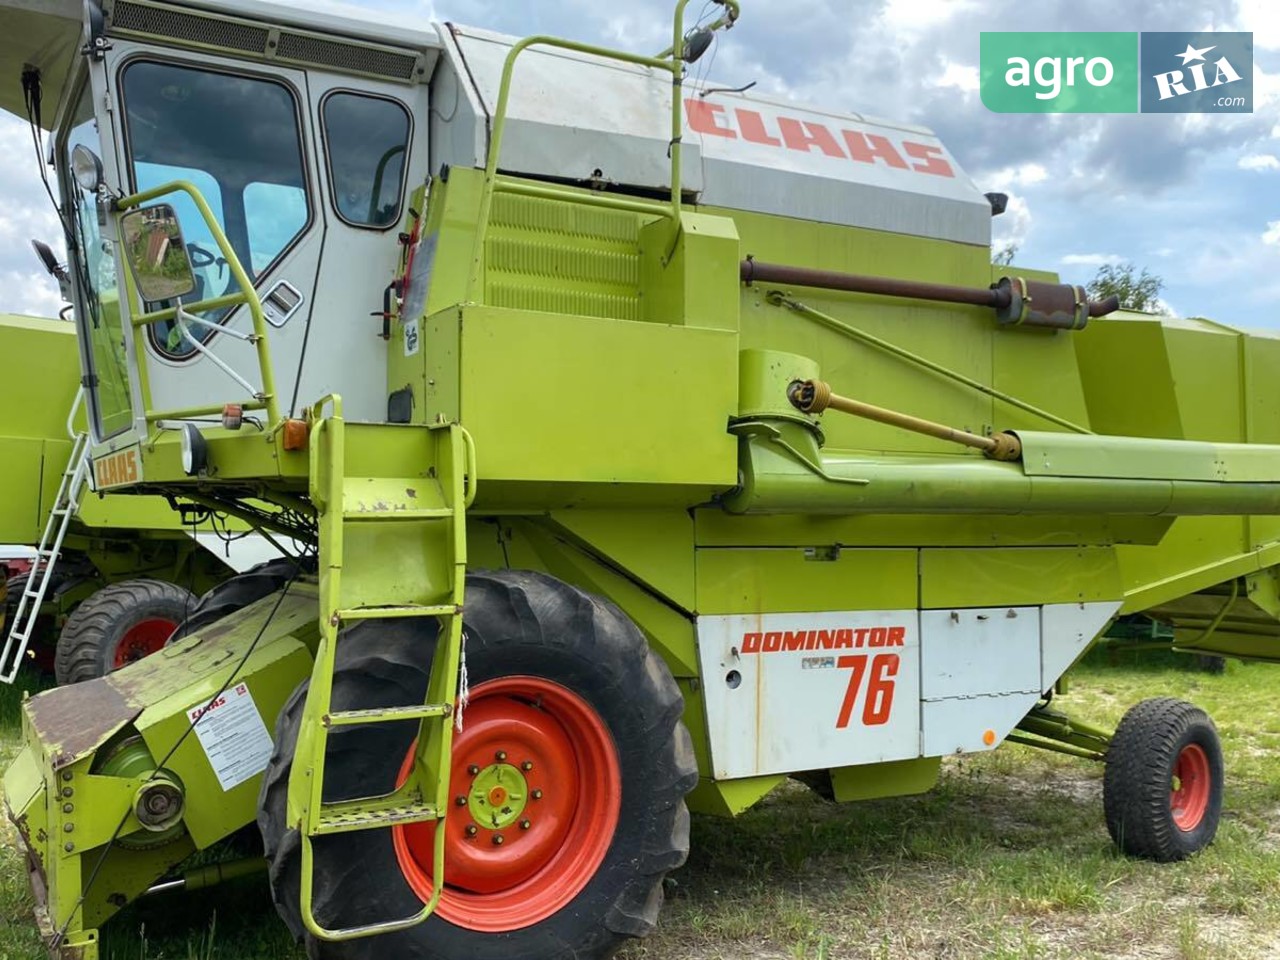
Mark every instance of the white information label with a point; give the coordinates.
(412, 339)
(233, 736)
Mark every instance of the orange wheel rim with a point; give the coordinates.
(537, 793)
(142, 640)
(1189, 794)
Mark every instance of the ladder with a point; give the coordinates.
(438, 510)
(55, 531)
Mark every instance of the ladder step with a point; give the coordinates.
(346, 718)
(345, 820)
(414, 513)
(389, 613)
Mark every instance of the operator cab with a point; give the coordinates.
(296, 129)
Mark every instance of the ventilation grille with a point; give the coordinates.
(180, 26)
(296, 48)
(343, 56)
(560, 257)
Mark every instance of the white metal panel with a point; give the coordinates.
(804, 691)
(1066, 631)
(970, 724)
(973, 653)
(241, 553)
(571, 115)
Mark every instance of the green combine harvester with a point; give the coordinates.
(642, 446)
(111, 577)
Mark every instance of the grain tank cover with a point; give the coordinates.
(574, 117)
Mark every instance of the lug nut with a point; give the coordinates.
(67, 792)
(537, 794)
(498, 840)
(526, 824)
(68, 807)
(69, 847)
(527, 766)
(471, 829)
(501, 755)
(66, 775)
(473, 769)
(461, 801)
(68, 827)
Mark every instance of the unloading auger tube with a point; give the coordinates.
(1016, 301)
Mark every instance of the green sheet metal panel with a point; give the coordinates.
(581, 400)
(803, 580)
(958, 337)
(1128, 388)
(1020, 577)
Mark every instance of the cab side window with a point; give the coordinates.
(366, 142)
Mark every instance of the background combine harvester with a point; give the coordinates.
(690, 446)
(110, 578)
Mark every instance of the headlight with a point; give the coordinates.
(195, 454)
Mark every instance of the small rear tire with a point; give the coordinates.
(119, 624)
(1162, 790)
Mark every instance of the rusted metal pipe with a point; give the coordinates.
(1015, 300)
(815, 396)
(753, 271)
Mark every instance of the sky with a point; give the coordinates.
(1194, 198)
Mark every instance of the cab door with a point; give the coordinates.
(241, 133)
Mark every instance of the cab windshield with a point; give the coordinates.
(237, 140)
(95, 268)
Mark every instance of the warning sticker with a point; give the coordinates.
(233, 736)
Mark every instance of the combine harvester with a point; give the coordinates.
(118, 570)
(553, 371)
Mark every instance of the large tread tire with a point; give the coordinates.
(90, 643)
(236, 593)
(1159, 740)
(517, 624)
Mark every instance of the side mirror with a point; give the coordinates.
(155, 250)
(50, 260)
(86, 167)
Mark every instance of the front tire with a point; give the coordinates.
(1162, 789)
(571, 717)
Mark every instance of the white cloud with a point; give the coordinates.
(1090, 259)
(1259, 162)
(1023, 175)
(915, 15)
(962, 76)
(30, 292)
(1013, 226)
(1272, 235)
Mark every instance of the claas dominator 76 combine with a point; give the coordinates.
(644, 445)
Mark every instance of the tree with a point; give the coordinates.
(1004, 256)
(1136, 290)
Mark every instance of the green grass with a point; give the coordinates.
(1008, 859)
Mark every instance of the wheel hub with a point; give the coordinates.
(497, 796)
(1190, 790)
(142, 640)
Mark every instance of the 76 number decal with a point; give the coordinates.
(878, 702)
